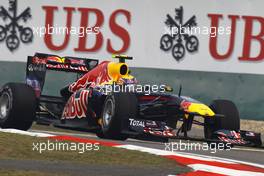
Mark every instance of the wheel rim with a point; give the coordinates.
(108, 112)
(4, 105)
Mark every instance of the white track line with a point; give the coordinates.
(189, 155)
(180, 154)
(28, 133)
(223, 171)
(64, 133)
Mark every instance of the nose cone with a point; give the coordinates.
(199, 108)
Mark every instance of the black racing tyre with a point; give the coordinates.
(100, 134)
(117, 107)
(17, 106)
(231, 121)
(171, 121)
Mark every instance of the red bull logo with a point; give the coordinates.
(96, 76)
(76, 105)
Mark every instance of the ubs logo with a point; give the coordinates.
(178, 37)
(12, 33)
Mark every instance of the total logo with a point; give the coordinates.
(136, 123)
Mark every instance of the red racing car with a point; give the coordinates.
(107, 99)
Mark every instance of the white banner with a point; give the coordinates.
(136, 28)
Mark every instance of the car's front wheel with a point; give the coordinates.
(116, 108)
(17, 106)
(230, 121)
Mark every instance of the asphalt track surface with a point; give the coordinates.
(82, 169)
(243, 154)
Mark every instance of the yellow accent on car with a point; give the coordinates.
(201, 109)
(117, 70)
(119, 55)
(128, 76)
(62, 60)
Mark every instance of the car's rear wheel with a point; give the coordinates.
(17, 106)
(117, 107)
(230, 121)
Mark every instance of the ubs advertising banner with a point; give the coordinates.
(214, 49)
(209, 35)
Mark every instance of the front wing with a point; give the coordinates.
(160, 129)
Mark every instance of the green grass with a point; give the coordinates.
(20, 147)
(4, 172)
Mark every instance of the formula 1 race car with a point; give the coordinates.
(107, 99)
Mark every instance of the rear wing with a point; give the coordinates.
(67, 63)
(38, 64)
